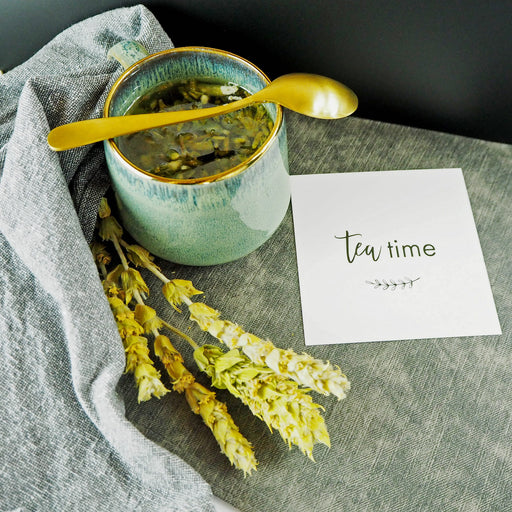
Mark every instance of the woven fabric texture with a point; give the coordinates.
(66, 443)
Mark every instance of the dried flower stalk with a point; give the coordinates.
(203, 402)
(278, 401)
(123, 284)
(138, 362)
(304, 369)
(126, 281)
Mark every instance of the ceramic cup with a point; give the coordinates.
(203, 221)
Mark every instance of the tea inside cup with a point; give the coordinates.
(199, 148)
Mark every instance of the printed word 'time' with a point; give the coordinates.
(355, 248)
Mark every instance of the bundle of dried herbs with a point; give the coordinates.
(275, 384)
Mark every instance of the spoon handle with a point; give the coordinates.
(80, 133)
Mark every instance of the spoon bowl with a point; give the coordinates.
(311, 95)
(308, 94)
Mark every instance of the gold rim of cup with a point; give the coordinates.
(233, 171)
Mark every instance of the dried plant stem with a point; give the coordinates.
(278, 401)
(176, 331)
(149, 265)
(201, 400)
(144, 319)
(307, 371)
(138, 361)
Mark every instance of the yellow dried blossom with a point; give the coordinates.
(137, 352)
(177, 291)
(215, 415)
(119, 308)
(129, 327)
(129, 279)
(110, 229)
(125, 318)
(173, 362)
(100, 254)
(139, 256)
(111, 284)
(303, 368)
(307, 371)
(278, 401)
(112, 290)
(202, 314)
(104, 209)
(203, 402)
(147, 317)
(115, 274)
(147, 378)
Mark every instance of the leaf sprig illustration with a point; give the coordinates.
(392, 284)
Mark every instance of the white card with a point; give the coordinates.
(389, 255)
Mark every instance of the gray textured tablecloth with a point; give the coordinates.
(426, 426)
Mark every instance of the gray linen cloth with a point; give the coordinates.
(65, 443)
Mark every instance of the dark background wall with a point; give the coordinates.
(438, 64)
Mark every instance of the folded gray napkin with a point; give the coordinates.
(65, 441)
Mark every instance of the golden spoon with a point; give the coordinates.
(311, 95)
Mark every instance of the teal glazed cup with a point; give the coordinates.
(202, 221)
